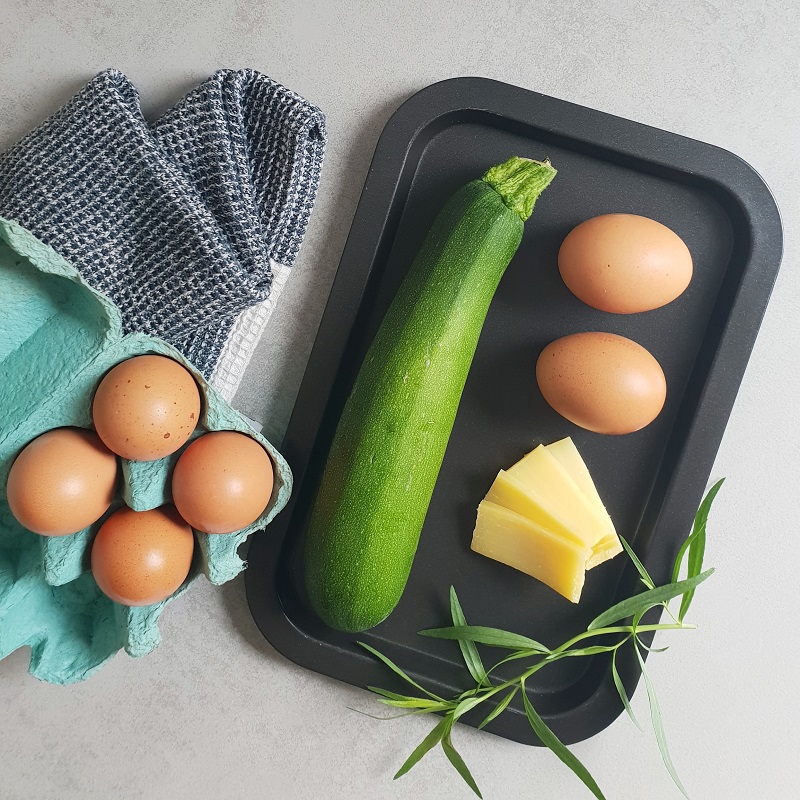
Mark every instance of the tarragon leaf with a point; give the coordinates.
(514, 656)
(653, 649)
(499, 709)
(468, 704)
(640, 568)
(388, 694)
(392, 666)
(658, 726)
(394, 716)
(696, 545)
(623, 695)
(414, 702)
(550, 740)
(469, 649)
(646, 600)
(591, 650)
(700, 521)
(455, 759)
(493, 637)
(428, 743)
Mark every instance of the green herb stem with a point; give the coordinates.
(522, 647)
(628, 629)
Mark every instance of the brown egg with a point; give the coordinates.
(62, 482)
(624, 263)
(222, 482)
(146, 407)
(142, 557)
(602, 382)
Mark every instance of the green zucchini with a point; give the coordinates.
(392, 435)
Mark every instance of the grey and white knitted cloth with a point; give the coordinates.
(191, 223)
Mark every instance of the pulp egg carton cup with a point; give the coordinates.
(58, 338)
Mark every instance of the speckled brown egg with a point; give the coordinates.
(146, 407)
(624, 263)
(62, 482)
(142, 557)
(222, 482)
(602, 382)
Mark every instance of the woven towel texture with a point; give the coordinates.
(177, 221)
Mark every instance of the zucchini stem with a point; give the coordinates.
(520, 181)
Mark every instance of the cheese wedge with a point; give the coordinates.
(549, 508)
(565, 452)
(515, 540)
(541, 473)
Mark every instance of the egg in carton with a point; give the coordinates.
(58, 338)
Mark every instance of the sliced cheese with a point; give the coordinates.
(542, 476)
(545, 508)
(515, 540)
(565, 452)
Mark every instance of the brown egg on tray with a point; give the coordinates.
(624, 263)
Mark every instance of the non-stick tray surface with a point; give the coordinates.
(651, 481)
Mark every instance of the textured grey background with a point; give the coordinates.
(215, 712)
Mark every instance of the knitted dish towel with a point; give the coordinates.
(189, 224)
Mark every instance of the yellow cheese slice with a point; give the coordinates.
(515, 540)
(565, 452)
(545, 479)
(545, 508)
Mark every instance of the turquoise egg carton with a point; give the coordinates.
(58, 337)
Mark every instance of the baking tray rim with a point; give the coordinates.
(728, 175)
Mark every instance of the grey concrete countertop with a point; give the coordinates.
(215, 712)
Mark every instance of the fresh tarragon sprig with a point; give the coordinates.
(617, 627)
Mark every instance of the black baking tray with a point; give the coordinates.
(651, 481)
